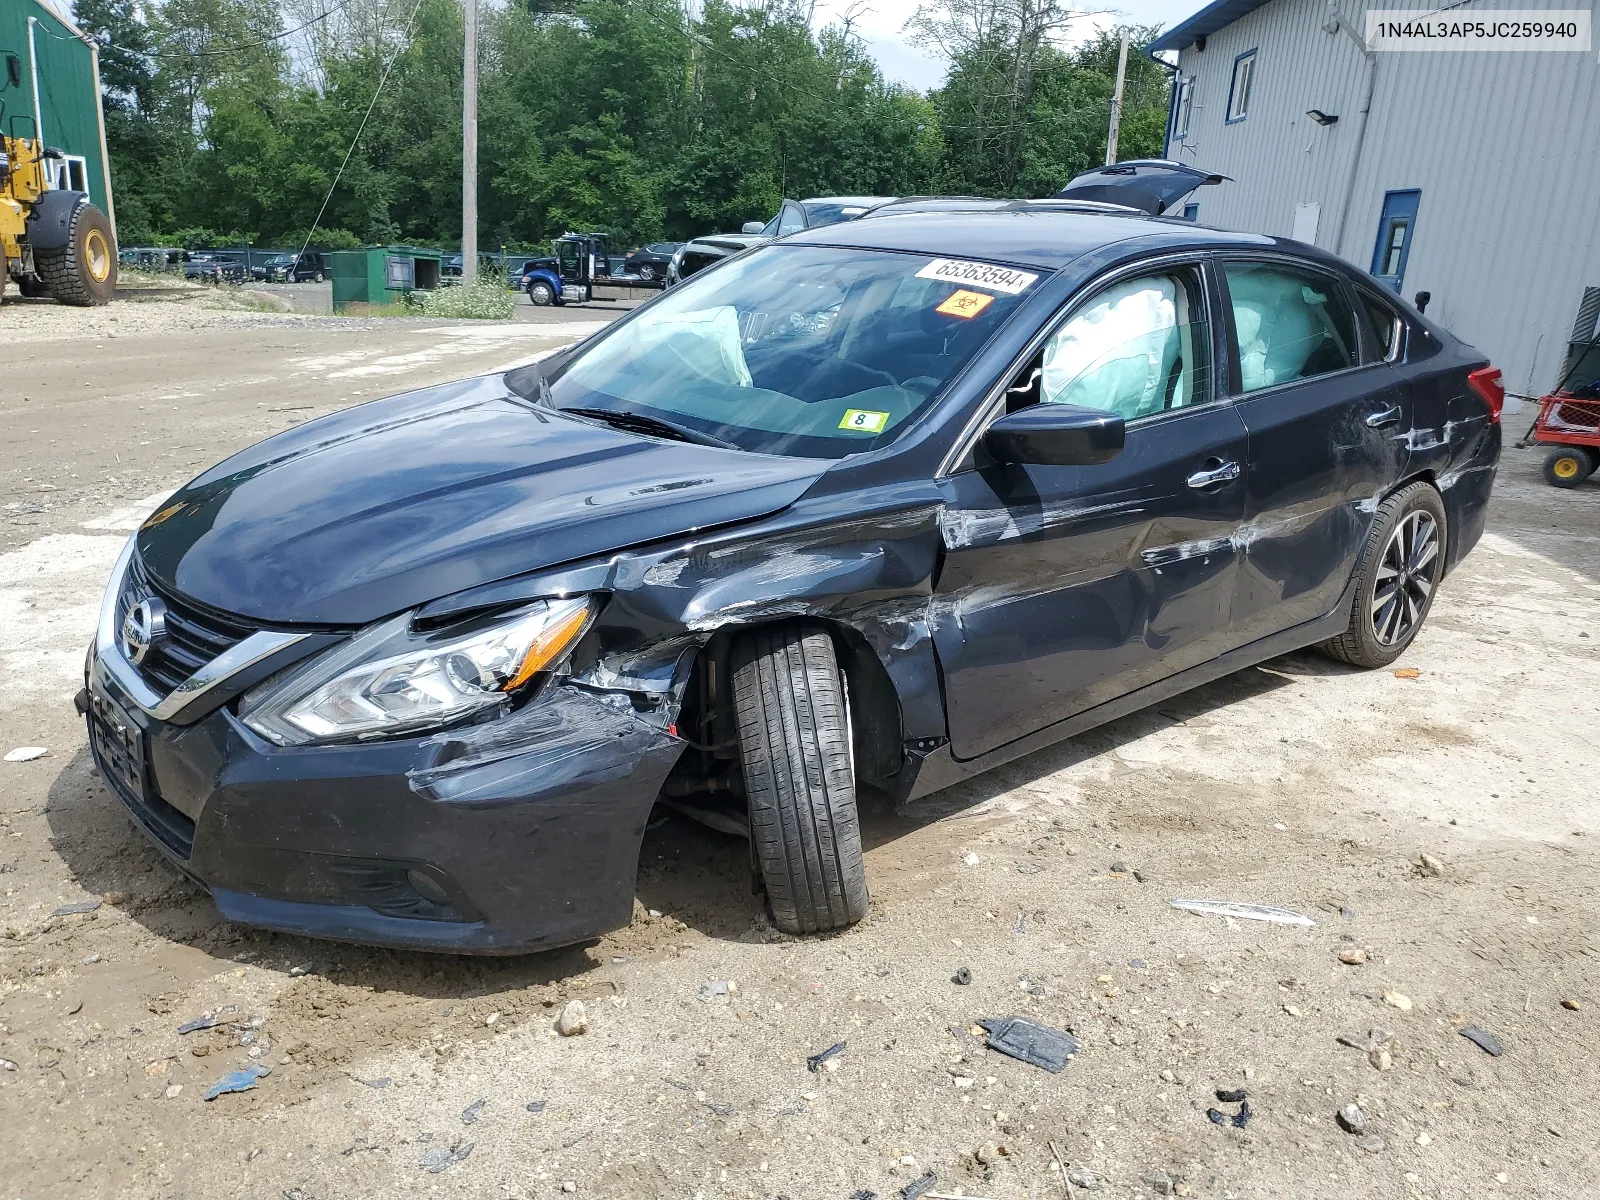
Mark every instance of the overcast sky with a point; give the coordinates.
(904, 63)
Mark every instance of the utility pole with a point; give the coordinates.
(469, 150)
(1116, 102)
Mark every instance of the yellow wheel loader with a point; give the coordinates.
(55, 242)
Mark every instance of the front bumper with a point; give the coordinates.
(516, 834)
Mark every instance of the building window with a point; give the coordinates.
(1244, 72)
(1181, 107)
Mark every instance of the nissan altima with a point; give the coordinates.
(879, 505)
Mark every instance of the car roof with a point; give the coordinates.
(864, 201)
(1043, 234)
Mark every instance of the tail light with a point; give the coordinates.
(1486, 382)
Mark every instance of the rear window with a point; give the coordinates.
(1288, 323)
(1381, 324)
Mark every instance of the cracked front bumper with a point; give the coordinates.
(516, 834)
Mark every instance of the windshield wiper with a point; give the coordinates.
(651, 426)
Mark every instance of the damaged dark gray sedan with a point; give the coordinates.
(883, 504)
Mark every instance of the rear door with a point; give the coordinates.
(1066, 587)
(1328, 422)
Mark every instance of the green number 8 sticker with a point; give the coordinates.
(862, 420)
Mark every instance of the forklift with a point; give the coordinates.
(54, 242)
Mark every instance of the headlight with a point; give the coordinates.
(389, 679)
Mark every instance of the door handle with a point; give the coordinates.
(1223, 472)
(1387, 416)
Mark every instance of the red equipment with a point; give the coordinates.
(1571, 423)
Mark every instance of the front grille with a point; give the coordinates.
(194, 635)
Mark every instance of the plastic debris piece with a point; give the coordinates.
(1407, 673)
(714, 991)
(1242, 1117)
(535, 1106)
(304, 968)
(83, 906)
(7, 1065)
(469, 1114)
(442, 1158)
(917, 1188)
(1483, 1039)
(1245, 912)
(238, 1081)
(863, 1194)
(815, 1061)
(26, 753)
(209, 1020)
(971, 858)
(1032, 1043)
(963, 976)
(1217, 1116)
(1571, 1005)
(1232, 1095)
(379, 1083)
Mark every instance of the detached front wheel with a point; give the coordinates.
(1569, 466)
(795, 746)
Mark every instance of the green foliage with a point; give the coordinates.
(487, 301)
(624, 116)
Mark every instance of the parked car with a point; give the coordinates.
(210, 267)
(857, 509)
(150, 258)
(272, 268)
(793, 216)
(310, 267)
(651, 261)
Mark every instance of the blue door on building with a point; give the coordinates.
(1395, 229)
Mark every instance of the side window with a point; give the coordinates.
(1244, 73)
(1381, 326)
(1137, 348)
(1288, 323)
(791, 220)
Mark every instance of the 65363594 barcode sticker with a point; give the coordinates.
(978, 274)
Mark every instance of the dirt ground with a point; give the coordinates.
(1300, 784)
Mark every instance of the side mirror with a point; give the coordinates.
(752, 227)
(1421, 300)
(1056, 435)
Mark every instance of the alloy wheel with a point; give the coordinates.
(1406, 577)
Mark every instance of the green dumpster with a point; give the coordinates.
(381, 274)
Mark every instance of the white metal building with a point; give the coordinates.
(1473, 176)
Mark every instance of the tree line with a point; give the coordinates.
(271, 121)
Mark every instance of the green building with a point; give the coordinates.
(50, 83)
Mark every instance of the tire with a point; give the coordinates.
(647, 272)
(799, 776)
(1568, 466)
(541, 294)
(84, 271)
(317, 278)
(1397, 577)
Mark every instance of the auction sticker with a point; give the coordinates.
(978, 274)
(862, 420)
(965, 304)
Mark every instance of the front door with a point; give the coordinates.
(1066, 587)
(1328, 424)
(1395, 229)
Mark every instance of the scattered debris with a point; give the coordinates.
(1245, 912)
(1351, 1119)
(1397, 1000)
(208, 1020)
(1482, 1039)
(1232, 1095)
(1084, 1178)
(535, 1106)
(378, 1084)
(1366, 1043)
(717, 989)
(1429, 867)
(1347, 914)
(574, 1020)
(7, 1065)
(238, 1081)
(83, 906)
(469, 1114)
(304, 968)
(1407, 673)
(1028, 868)
(442, 1158)
(1423, 1139)
(1161, 1183)
(1570, 1005)
(1031, 1042)
(815, 1061)
(1371, 1143)
(963, 976)
(971, 859)
(26, 753)
(1380, 1058)
(1353, 956)
(918, 1188)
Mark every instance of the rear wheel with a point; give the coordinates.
(1396, 576)
(794, 743)
(1569, 466)
(84, 271)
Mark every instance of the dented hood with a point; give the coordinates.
(391, 504)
